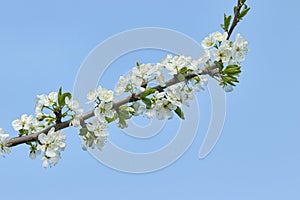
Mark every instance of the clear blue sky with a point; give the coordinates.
(42, 45)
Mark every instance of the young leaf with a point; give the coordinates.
(219, 64)
(147, 92)
(227, 21)
(61, 99)
(147, 102)
(83, 131)
(243, 1)
(59, 92)
(183, 70)
(179, 112)
(109, 120)
(244, 12)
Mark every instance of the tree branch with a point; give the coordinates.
(236, 19)
(59, 126)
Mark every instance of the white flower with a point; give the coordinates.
(223, 53)
(150, 113)
(47, 100)
(96, 136)
(34, 152)
(204, 57)
(26, 123)
(219, 36)
(93, 94)
(106, 95)
(160, 79)
(176, 63)
(50, 160)
(100, 93)
(74, 106)
(98, 128)
(144, 71)
(104, 110)
(180, 95)
(240, 49)
(163, 108)
(208, 42)
(51, 144)
(138, 108)
(22, 123)
(3, 140)
(121, 85)
(38, 111)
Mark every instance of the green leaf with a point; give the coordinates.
(147, 102)
(179, 112)
(61, 99)
(234, 9)
(109, 120)
(83, 131)
(233, 70)
(197, 79)
(147, 92)
(183, 70)
(227, 21)
(138, 64)
(219, 64)
(244, 12)
(59, 92)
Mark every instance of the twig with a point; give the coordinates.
(236, 19)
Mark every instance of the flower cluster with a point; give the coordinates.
(26, 125)
(95, 133)
(51, 144)
(226, 55)
(3, 141)
(50, 109)
(46, 101)
(74, 111)
(219, 48)
(176, 79)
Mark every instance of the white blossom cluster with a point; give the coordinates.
(143, 74)
(26, 124)
(51, 144)
(51, 103)
(46, 111)
(75, 112)
(160, 102)
(219, 48)
(96, 134)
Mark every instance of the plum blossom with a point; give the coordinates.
(96, 135)
(3, 140)
(101, 94)
(26, 123)
(47, 100)
(74, 106)
(104, 110)
(51, 145)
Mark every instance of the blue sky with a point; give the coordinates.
(42, 45)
